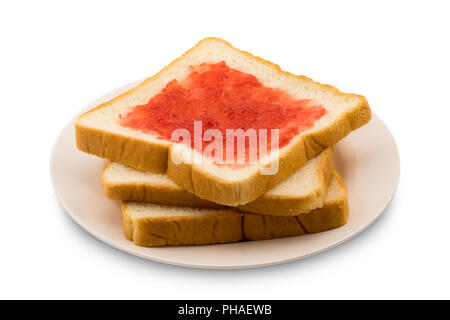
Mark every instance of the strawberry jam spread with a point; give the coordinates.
(222, 98)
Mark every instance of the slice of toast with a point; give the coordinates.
(121, 129)
(301, 192)
(149, 224)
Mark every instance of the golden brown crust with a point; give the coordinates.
(145, 155)
(232, 226)
(136, 153)
(332, 215)
(144, 192)
(223, 227)
(270, 205)
(261, 227)
(291, 205)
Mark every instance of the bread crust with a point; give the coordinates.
(173, 231)
(139, 154)
(292, 205)
(288, 205)
(144, 155)
(232, 226)
(332, 215)
(154, 194)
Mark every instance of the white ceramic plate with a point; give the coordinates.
(367, 159)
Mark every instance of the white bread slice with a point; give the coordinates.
(301, 192)
(98, 131)
(149, 224)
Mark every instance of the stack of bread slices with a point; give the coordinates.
(167, 200)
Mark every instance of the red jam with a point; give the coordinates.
(223, 98)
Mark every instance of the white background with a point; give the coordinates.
(55, 57)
